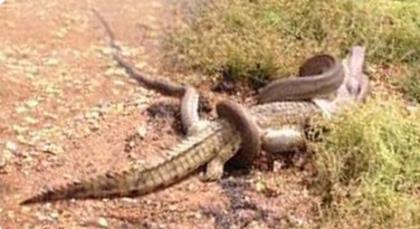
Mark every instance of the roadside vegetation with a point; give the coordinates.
(368, 164)
(263, 39)
(411, 83)
(368, 167)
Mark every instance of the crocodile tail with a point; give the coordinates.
(189, 155)
(106, 185)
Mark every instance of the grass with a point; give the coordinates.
(411, 84)
(369, 162)
(266, 38)
(369, 167)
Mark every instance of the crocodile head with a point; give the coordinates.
(355, 86)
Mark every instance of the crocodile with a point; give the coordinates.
(213, 145)
(276, 126)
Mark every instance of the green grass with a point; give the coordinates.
(411, 83)
(266, 38)
(369, 167)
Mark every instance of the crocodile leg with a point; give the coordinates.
(215, 167)
(281, 140)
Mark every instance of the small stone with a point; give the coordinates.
(24, 141)
(255, 224)
(30, 120)
(132, 144)
(51, 149)
(92, 115)
(412, 109)
(278, 166)
(172, 207)
(21, 109)
(119, 108)
(129, 200)
(54, 215)
(260, 186)
(40, 216)
(198, 215)
(3, 162)
(11, 146)
(141, 65)
(60, 34)
(52, 62)
(50, 115)
(102, 222)
(11, 215)
(119, 82)
(7, 155)
(110, 72)
(32, 103)
(94, 125)
(142, 131)
(19, 129)
(105, 50)
(26, 209)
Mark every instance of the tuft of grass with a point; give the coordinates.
(369, 167)
(411, 84)
(264, 38)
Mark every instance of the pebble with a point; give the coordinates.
(51, 149)
(52, 61)
(102, 222)
(32, 103)
(141, 131)
(21, 109)
(19, 129)
(11, 215)
(54, 215)
(260, 186)
(3, 162)
(412, 109)
(30, 120)
(26, 209)
(11, 146)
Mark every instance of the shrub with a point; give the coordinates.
(369, 167)
(266, 38)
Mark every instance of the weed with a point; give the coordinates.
(265, 38)
(368, 166)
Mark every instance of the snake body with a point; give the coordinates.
(323, 74)
(319, 75)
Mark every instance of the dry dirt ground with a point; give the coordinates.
(68, 112)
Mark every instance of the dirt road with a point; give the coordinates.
(68, 112)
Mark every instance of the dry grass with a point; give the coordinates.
(369, 167)
(411, 83)
(267, 38)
